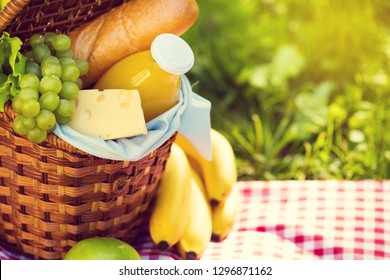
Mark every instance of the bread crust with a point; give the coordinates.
(127, 29)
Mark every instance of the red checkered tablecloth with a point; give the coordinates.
(297, 220)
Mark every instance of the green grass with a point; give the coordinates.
(305, 85)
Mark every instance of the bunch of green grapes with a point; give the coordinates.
(52, 81)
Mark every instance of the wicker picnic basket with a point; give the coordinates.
(52, 194)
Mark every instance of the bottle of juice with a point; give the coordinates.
(155, 73)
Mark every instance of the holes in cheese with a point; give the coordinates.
(86, 115)
(108, 114)
(100, 98)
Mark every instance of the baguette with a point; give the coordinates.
(127, 29)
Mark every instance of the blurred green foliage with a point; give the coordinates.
(299, 87)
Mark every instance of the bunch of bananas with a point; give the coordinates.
(197, 200)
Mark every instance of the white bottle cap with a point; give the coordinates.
(172, 54)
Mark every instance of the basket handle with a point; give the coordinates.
(10, 11)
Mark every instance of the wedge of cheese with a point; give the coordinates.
(108, 114)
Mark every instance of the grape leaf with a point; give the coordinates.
(12, 67)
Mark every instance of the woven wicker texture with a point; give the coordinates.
(22, 18)
(51, 198)
(52, 194)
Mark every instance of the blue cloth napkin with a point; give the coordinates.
(190, 117)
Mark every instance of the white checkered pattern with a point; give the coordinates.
(297, 220)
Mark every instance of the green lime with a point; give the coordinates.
(102, 248)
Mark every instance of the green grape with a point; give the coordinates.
(69, 90)
(66, 60)
(28, 93)
(33, 68)
(17, 104)
(61, 43)
(36, 135)
(50, 83)
(46, 120)
(30, 108)
(49, 58)
(70, 73)
(29, 55)
(65, 108)
(51, 68)
(21, 97)
(40, 52)
(79, 83)
(62, 119)
(67, 53)
(49, 101)
(29, 80)
(51, 129)
(36, 40)
(83, 66)
(49, 36)
(18, 126)
(29, 123)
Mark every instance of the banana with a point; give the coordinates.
(224, 215)
(170, 211)
(219, 174)
(196, 167)
(197, 232)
